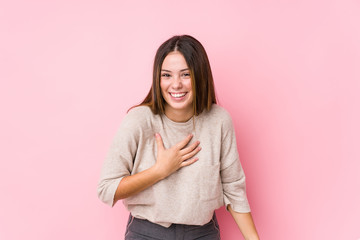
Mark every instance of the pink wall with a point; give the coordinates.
(287, 71)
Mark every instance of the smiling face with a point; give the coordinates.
(176, 89)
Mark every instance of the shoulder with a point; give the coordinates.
(219, 114)
(138, 116)
(219, 111)
(140, 111)
(218, 117)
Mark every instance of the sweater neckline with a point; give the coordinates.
(179, 124)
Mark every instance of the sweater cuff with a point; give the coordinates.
(241, 207)
(107, 194)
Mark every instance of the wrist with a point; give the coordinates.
(158, 173)
(253, 237)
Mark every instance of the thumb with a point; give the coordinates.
(159, 142)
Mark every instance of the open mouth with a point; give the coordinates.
(177, 95)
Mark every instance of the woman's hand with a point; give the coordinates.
(170, 160)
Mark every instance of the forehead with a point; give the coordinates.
(174, 61)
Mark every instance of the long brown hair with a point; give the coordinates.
(200, 73)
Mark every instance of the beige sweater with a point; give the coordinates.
(190, 195)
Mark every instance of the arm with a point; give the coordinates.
(245, 224)
(234, 186)
(167, 162)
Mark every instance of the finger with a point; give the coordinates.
(188, 162)
(159, 142)
(190, 148)
(184, 142)
(191, 154)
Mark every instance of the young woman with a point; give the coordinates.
(174, 159)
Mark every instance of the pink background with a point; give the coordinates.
(287, 71)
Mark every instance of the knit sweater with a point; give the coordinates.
(191, 194)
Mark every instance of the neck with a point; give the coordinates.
(179, 115)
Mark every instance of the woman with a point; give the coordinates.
(174, 159)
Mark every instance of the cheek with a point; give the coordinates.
(163, 86)
(188, 84)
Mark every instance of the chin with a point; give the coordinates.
(182, 107)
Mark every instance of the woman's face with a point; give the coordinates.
(175, 83)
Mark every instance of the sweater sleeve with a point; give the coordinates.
(119, 160)
(232, 173)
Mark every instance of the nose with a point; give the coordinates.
(177, 83)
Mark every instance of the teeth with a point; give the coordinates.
(177, 95)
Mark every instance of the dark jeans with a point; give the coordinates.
(138, 229)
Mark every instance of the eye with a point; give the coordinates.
(186, 75)
(165, 75)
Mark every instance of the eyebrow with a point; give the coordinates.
(170, 71)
